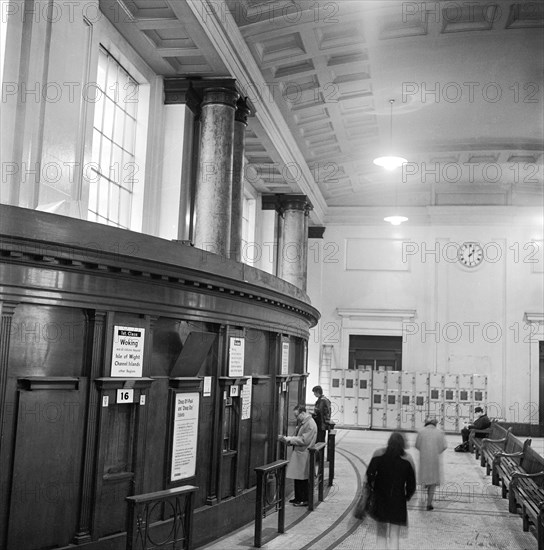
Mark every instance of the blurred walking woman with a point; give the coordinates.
(391, 473)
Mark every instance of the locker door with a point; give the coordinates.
(392, 413)
(335, 395)
(465, 399)
(351, 379)
(421, 399)
(451, 403)
(436, 397)
(364, 396)
(479, 395)
(378, 399)
(350, 411)
(407, 401)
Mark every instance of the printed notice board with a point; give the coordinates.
(185, 436)
(285, 358)
(236, 356)
(246, 400)
(127, 355)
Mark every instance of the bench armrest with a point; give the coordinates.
(510, 455)
(527, 476)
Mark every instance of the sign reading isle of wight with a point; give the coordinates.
(128, 352)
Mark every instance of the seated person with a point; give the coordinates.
(481, 423)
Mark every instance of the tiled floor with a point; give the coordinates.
(469, 511)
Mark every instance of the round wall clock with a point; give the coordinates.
(470, 254)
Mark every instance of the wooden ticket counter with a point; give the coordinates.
(130, 364)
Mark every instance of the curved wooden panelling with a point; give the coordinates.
(57, 260)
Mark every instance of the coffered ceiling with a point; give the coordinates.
(466, 79)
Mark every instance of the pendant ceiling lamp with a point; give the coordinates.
(390, 162)
(396, 218)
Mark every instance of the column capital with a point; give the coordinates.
(294, 202)
(191, 90)
(221, 96)
(244, 109)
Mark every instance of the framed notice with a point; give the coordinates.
(246, 400)
(185, 436)
(127, 355)
(236, 356)
(285, 358)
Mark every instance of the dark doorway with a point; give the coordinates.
(375, 352)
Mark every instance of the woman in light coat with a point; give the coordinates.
(299, 463)
(431, 443)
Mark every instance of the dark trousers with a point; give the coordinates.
(321, 434)
(464, 434)
(301, 490)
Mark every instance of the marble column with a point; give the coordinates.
(214, 179)
(240, 125)
(293, 249)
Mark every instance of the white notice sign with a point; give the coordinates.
(127, 355)
(185, 436)
(236, 356)
(285, 358)
(246, 400)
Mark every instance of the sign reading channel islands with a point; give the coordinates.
(128, 352)
(185, 436)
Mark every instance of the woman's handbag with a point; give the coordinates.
(365, 503)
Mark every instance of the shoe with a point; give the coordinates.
(293, 500)
(301, 503)
(430, 507)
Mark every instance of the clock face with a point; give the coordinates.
(470, 254)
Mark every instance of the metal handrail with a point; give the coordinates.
(141, 509)
(269, 497)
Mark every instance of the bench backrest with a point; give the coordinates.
(497, 431)
(533, 463)
(513, 444)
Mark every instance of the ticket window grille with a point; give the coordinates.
(229, 426)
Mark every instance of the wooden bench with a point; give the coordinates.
(490, 446)
(526, 494)
(475, 437)
(506, 463)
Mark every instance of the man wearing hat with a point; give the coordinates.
(482, 422)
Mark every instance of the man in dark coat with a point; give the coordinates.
(482, 422)
(322, 413)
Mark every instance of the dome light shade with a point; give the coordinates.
(390, 162)
(395, 220)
